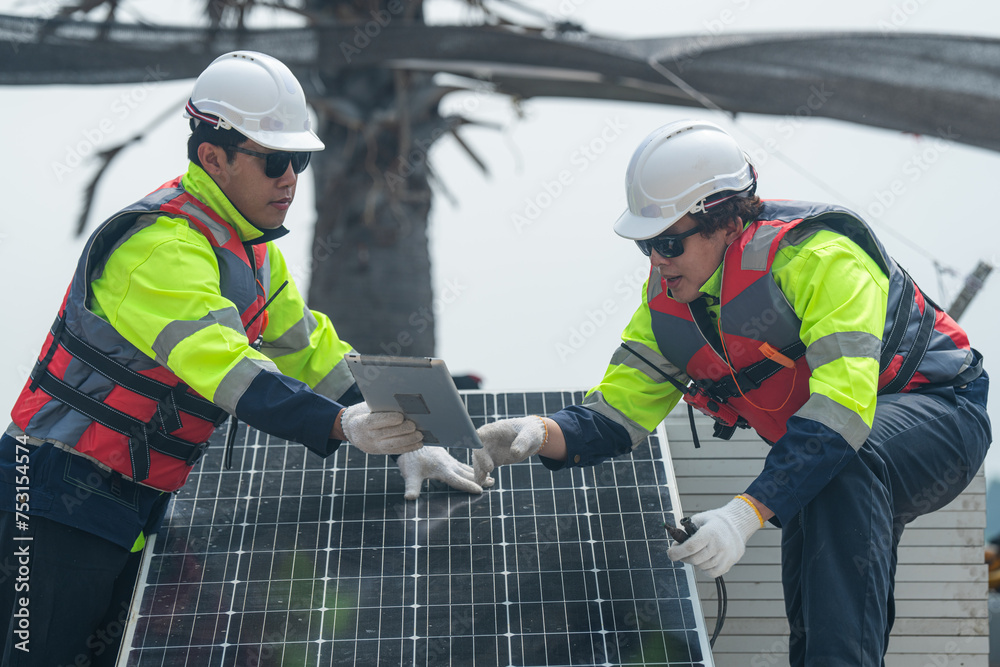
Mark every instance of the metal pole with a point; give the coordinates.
(973, 283)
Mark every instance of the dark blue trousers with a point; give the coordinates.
(79, 588)
(838, 556)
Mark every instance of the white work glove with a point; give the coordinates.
(380, 432)
(508, 441)
(721, 537)
(437, 463)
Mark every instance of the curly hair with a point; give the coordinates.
(717, 217)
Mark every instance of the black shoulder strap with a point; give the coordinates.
(900, 322)
(915, 355)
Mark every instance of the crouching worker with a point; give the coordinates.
(791, 319)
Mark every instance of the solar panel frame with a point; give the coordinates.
(288, 559)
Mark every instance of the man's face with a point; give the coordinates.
(263, 201)
(684, 275)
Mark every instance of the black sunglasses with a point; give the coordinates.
(276, 164)
(666, 246)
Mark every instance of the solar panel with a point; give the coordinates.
(288, 559)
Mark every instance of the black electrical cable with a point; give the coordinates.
(720, 618)
(679, 535)
(689, 529)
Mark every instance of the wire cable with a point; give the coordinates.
(679, 535)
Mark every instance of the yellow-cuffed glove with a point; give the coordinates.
(721, 538)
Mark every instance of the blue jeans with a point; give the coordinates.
(838, 556)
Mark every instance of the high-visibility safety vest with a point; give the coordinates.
(93, 391)
(753, 362)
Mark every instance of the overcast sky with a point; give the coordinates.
(533, 287)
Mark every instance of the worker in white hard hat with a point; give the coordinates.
(182, 313)
(789, 318)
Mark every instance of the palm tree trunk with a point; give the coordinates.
(370, 261)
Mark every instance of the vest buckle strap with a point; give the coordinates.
(717, 390)
(142, 436)
(717, 410)
(168, 410)
(138, 449)
(197, 451)
(723, 389)
(753, 376)
(723, 431)
(42, 365)
(172, 400)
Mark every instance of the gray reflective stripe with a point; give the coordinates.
(654, 287)
(843, 344)
(158, 198)
(844, 421)
(596, 402)
(234, 385)
(969, 358)
(336, 381)
(293, 340)
(264, 273)
(756, 252)
(178, 330)
(623, 357)
(220, 232)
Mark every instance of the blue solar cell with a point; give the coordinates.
(290, 559)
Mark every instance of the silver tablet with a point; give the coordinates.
(422, 389)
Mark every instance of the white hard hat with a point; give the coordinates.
(676, 170)
(258, 96)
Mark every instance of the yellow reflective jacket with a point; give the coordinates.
(852, 309)
(181, 278)
(132, 296)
